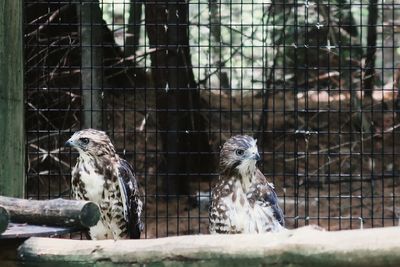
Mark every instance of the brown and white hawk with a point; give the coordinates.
(101, 176)
(243, 201)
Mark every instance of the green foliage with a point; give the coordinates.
(250, 42)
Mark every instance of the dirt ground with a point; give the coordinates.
(325, 170)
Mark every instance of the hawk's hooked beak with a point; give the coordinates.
(256, 156)
(69, 143)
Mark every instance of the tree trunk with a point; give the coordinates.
(215, 30)
(178, 98)
(262, 133)
(91, 33)
(55, 212)
(369, 77)
(135, 15)
(12, 132)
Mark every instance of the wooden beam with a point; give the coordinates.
(4, 219)
(302, 247)
(12, 144)
(55, 212)
(24, 231)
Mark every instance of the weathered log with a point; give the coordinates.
(55, 212)
(302, 247)
(4, 219)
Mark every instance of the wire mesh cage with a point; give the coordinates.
(316, 82)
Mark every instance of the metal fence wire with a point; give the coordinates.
(316, 82)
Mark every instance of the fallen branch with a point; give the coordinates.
(51, 18)
(324, 76)
(387, 130)
(50, 154)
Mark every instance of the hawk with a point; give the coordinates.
(101, 176)
(243, 201)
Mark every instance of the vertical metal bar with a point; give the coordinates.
(319, 185)
(231, 69)
(383, 113)
(296, 155)
(361, 173)
(350, 82)
(393, 141)
(306, 115)
(241, 71)
(146, 89)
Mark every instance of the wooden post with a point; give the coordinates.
(55, 212)
(12, 144)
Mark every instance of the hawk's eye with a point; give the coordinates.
(239, 152)
(84, 141)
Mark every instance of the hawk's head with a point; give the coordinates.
(239, 154)
(91, 142)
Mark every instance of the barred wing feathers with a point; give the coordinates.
(130, 198)
(267, 196)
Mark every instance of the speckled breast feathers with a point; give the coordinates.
(101, 176)
(242, 200)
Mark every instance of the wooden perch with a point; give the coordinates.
(55, 212)
(302, 247)
(4, 219)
